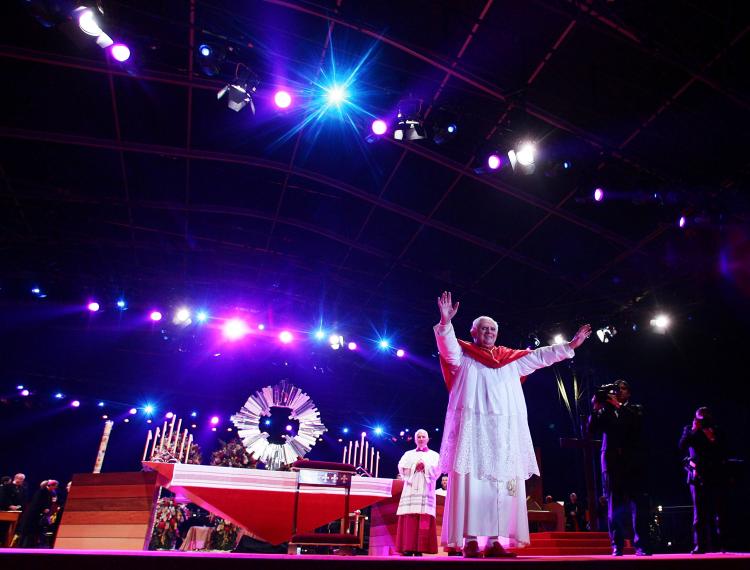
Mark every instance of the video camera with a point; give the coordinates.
(604, 391)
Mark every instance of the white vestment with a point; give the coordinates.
(486, 448)
(418, 496)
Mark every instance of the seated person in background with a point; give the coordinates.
(575, 514)
(416, 531)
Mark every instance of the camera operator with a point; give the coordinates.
(623, 464)
(705, 464)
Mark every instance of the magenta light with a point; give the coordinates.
(352, 346)
(132, 411)
(682, 222)
(598, 194)
(215, 420)
(93, 306)
(286, 337)
(400, 353)
(120, 52)
(75, 403)
(493, 162)
(379, 127)
(24, 392)
(288, 428)
(282, 99)
(235, 329)
(155, 316)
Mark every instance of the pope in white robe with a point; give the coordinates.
(486, 448)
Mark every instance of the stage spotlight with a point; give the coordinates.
(201, 316)
(443, 134)
(235, 329)
(400, 353)
(100, 404)
(75, 404)
(149, 409)
(378, 430)
(241, 89)
(526, 154)
(660, 323)
(282, 99)
(285, 337)
(336, 94)
(120, 52)
(288, 428)
(93, 306)
(182, 316)
(345, 430)
(319, 334)
(133, 411)
(155, 316)
(209, 59)
(352, 346)
(122, 305)
(25, 392)
(494, 161)
(384, 344)
(533, 341)
(193, 414)
(59, 395)
(558, 339)
(605, 334)
(214, 420)
(409, 125)
(19, 387)
(261, 327)
(598, 194)
(267, 422)
(336, 341)
(379, 127)
(682, 222)
(87, 21)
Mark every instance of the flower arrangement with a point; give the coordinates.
(169, 514)
(224, 536)
(194, 455)
(233, 454)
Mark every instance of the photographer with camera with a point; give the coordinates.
(623, 464)
(705, 465)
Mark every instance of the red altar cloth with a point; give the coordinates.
(262, 502)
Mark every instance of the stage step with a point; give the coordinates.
(568, 544)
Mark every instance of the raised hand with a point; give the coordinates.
(447, 309)
(583, 333)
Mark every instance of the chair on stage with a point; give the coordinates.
(327, 474)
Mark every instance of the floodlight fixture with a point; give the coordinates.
(605, 334)
(409, 126)
(241, 89)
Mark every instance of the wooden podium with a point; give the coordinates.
(108, 511)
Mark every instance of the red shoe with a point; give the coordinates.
(471, 549)
(497, 551)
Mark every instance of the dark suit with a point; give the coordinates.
(706, 477)
(623, 471)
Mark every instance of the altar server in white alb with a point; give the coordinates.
(486, 448)
(416, 532)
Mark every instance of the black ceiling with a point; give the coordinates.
(137, 180)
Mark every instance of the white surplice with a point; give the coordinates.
(486, 448)
(418, 496)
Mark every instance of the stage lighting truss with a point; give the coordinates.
(282, 395)
(409, 126)
(241, 89)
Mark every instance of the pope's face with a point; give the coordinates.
(486, 334)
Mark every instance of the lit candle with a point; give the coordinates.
(171, 431)
(145, 449)
(182, 443)
(364, 455)
(349, 455)
(356, 448)
(103, 446)
(361, 448)
(187, 450)
(343, 459)
(163, 435)
(176, 436)
(372, 460)
(377, 463)
(153, 445)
